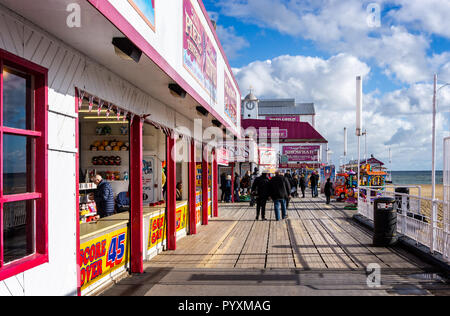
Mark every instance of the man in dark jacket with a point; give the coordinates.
(288, 185)
(260, 189)
(104, 197)
(236, 187)
(279, 194)
(313, 180)
(328, 190)
(223, 179)
(303, 184)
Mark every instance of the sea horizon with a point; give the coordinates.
(416, 177)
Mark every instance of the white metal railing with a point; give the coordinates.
(415, 216)
(14, 215)
(446, 175)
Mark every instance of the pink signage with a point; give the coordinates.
(272, 133)
(230, 100)
(222, 157)
(199, 54)
(301, 153)
(283, 118)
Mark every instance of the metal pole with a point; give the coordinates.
(359, 96)
(365, 145)
(433, 170)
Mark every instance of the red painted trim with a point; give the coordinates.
(137, 212)
(1, 161)
(215, 183)
(22, 265)
(77, 193)
(192, 190)
(22, 132)
(41, 165)
(205, 206)
(114, 16)
(20, 197)
(41, 125)
(171, 202)
(22, 64)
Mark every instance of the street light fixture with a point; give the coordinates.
(433, 162)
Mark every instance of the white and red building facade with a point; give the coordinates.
(60, 54)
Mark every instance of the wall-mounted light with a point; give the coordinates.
(125, 49)
(216, 123)
(177, 91)
(202, 110)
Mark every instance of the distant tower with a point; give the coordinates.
(250, 106)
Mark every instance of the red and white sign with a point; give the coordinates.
(268, 156)
(223, 157)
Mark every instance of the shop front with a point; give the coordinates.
(107, 169)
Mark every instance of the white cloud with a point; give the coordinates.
(231, 42)
(400, 119)
(431, 16)
(342, 27)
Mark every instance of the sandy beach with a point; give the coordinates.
(426, 192)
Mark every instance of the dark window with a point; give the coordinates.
(23, 165)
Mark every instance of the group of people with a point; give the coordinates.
(279, 188)
(239, 187)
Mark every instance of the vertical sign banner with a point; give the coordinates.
(199, 54)
(146, 9)
(148, 180)
(198, 192)
(230, 100)
(157, 231)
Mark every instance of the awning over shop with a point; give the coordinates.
(287, 132)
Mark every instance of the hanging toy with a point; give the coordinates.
(91, 103)
(125, 116)
(100, 105)
(80, 99)
(118, 114)
(108, 112)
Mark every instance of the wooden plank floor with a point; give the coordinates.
(315, 236)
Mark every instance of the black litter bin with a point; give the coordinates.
(385, 222)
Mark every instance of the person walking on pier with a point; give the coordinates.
(288, 185)
(236, 186)
(313, 181)
(279, 194)
(260, 189)
(328, 190)
(303, 185)
(227, 189)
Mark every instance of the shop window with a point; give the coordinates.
(23, 168)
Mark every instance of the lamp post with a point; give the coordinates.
(433, 163)
(359, 96)
(365, 145)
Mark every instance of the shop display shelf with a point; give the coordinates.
(107, 152)
(88, 215)
(87, 186)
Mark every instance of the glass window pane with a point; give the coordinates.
(18, 230)
(17, 98)
(18, 169)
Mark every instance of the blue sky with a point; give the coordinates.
(312, 50)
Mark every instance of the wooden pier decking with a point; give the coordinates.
(318, 250)
(314, 236)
